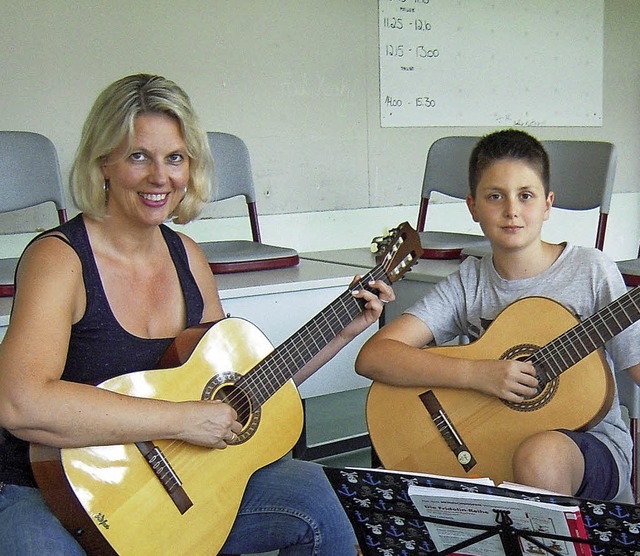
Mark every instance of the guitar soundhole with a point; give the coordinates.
(546, 389)
(223, 387)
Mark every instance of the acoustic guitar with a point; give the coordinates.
(171, 497)
(464, 433)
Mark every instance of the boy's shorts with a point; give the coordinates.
(601, 477)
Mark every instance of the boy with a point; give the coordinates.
(510, 199)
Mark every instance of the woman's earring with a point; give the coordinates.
(105, 187)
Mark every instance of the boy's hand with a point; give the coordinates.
(510, 380)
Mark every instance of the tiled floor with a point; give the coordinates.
(336, 415)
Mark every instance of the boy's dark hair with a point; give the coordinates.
(508, 144)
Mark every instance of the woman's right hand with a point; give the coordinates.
(209, 423)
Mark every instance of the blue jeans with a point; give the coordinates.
(28, 528)
(288, 505)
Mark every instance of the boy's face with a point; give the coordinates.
(510, 205)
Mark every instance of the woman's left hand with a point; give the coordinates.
(375, 301)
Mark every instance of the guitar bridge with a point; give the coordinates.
(166, 475)
(447, 430)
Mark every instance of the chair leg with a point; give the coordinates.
(633, 426)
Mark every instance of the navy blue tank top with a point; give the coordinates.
(99, 348)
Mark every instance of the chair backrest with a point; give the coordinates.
(582, 175)
(29, 176)
(232, 174)
(29, 173)
(630, 270)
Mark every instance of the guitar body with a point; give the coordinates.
(406, 437)
(122, 496)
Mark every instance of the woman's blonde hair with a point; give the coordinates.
(112, 119)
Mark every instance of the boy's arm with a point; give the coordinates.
(394, 355)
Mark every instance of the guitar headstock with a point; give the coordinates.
(398, 251)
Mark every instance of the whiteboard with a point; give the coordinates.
(491, 63)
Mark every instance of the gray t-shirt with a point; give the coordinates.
(582, 279)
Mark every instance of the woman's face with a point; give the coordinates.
(149, 179)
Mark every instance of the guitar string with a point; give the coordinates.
(328, 323)
(553, 354)
(181, 457)
(314, 336)
(603, 325)
(607, 318)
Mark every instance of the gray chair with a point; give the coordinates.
(233, 177)
(29, 176)
(447, 172)
(629, 395)
(628, 391)
(630, 270)
(582, 177)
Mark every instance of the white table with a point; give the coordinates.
(422, 276)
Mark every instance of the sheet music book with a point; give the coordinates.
(387, 522)
(468, 507)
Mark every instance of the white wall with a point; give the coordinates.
(298, 81)
(317, 231)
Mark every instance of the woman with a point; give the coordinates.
(105, 294)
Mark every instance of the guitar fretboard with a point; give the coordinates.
(284, 362)
(398, 255)
(591, 334)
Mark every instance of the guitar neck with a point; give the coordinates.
(294, 353)
(591, 334)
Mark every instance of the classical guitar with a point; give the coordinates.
(170, 497)
(464, 433)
